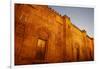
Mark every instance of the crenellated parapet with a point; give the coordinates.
(42, 35)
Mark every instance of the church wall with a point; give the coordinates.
(38, 28)
(64, 41)
(90, 50)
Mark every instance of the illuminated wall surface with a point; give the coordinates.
(44, 36)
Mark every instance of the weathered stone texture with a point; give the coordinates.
(63, 40)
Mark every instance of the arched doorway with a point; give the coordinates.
(42, 44)
(77, 52)
(41, 49)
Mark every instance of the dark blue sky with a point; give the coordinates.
(81, 17)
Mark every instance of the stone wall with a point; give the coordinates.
(64, 41)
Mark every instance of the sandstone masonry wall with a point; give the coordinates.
(64, 41)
